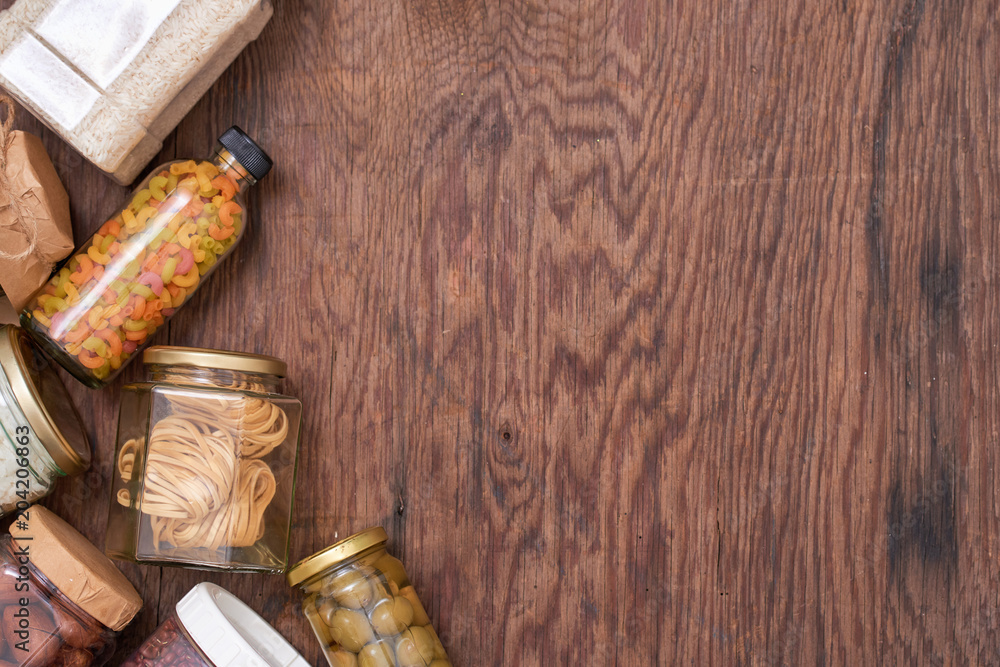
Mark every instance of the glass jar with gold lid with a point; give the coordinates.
(362, 606)
(41, 436)
(205, 463)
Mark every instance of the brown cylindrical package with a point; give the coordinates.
(35, 229)
(77, 568)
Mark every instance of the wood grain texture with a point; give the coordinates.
(652, 332)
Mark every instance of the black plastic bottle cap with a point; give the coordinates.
(247, 152)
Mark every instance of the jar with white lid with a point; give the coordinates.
(205, 463)
(363, 608)
(41, 435)
(211, 627)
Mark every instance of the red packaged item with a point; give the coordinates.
(210, 627)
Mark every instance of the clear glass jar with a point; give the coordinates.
(59, 632)
(205, 463)
(210, 627)
(124, 283)
(41, 435)
(47, 617)
(362, 606)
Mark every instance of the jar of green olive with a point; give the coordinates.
(363, 608)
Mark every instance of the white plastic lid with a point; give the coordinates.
(231, 634)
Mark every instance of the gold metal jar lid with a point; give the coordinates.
(199, 357)
(44, 401)
(307, 568)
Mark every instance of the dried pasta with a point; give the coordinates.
(204, 483)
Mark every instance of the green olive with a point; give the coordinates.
(380, 592)
(326, 609)
(350, 589)
(350, 629)
(420, 616)
(421, 639)
(407, 652)
(392, 616)
(393, 570)
(342, 658)
(439, 651)
(440, 662)
(376, 654)
(318, 624)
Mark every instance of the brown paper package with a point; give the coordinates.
(119, 139)
(77, 568)
(44, 206)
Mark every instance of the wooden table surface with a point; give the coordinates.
(653, 332)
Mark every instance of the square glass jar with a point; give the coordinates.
(205, 463)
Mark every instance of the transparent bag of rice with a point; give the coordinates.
(114, 77)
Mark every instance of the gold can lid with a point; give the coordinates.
(43, 399)
(199, 357)
(319, 562)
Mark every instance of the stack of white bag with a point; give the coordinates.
(114, 77)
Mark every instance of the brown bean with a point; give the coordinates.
(43, 643)
(8, 592)
(76, 658)
(75, 632)
(351, 629)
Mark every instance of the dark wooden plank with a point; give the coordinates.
(652, 332)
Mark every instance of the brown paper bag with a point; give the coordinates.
(35, 229)
(7, 313)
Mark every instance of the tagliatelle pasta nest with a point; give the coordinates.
(204, 484)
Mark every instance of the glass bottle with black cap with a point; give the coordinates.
(104, 305)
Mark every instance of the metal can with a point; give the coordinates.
(41, 435)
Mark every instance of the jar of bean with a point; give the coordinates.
(363, 608)
(41, 436)
(211, 627)
(148, 259)
(205, 464)
(62, 601)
